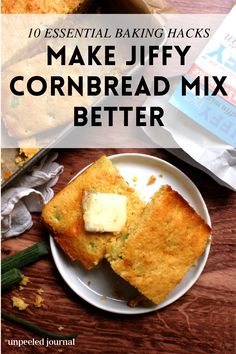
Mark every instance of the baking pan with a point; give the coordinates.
(9, 166)
(8, 155)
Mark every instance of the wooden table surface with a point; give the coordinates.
(202, 321)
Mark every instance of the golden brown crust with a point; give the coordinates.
(169, 239)
(44, 6)
(63, 215)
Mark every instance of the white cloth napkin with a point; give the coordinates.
(29, 194)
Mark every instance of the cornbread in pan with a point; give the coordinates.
(63, 215)
(28, 115)
(161, 247)
(25, 116)
(44, 6)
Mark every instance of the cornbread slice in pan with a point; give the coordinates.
(44, 6)
(48, 112)
(63, 215)
(160, 249)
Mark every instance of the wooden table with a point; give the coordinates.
(202, 321)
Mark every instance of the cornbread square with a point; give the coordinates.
(160, 249)
(63, 215)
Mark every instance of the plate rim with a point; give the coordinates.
(135, 311)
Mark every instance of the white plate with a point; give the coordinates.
(100, 286)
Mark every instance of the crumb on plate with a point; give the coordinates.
(103, 297)
(139, 300)
(151, 180)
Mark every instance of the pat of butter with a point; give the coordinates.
(104, 212)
